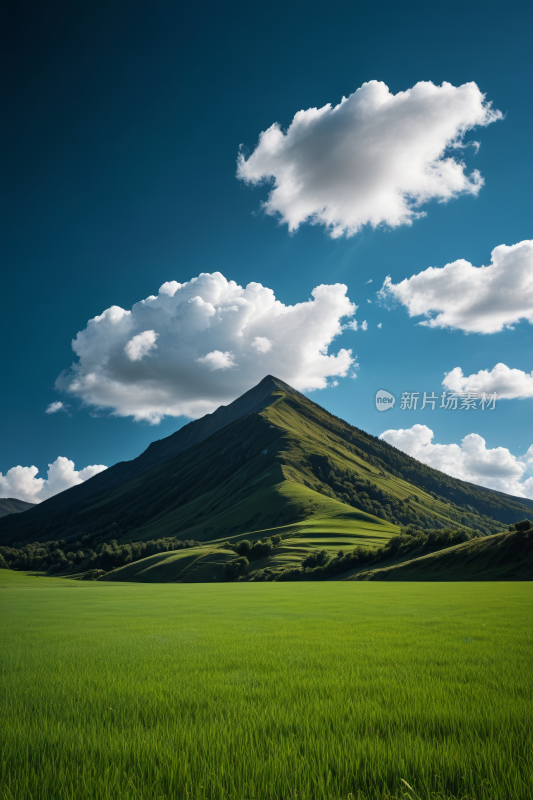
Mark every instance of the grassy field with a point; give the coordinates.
(267, 691)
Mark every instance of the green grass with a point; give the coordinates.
(266, 691)
(345, 531)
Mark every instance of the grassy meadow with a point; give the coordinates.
(265, 691)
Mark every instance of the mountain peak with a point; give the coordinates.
(272, 383)
(252, 401)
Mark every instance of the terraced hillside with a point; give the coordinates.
(293, 543)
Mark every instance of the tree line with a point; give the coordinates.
(62, 558)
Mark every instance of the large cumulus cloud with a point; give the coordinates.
(377, 157)
(22, 483)
(496, 468)
(472, 299)
(199, 344)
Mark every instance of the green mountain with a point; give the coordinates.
(10, 505)
(272, 462)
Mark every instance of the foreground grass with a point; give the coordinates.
(265, 691)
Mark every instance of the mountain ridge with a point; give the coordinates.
(11, 505)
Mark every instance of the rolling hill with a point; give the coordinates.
(10, 505)
(504, 556)
(271, 462)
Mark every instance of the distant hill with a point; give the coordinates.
(502, 557)
(271, 459)
(10, 505)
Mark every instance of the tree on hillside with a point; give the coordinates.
(235, 567)
(244, 547)
(318, 559)
(261, 549)
(524, 525)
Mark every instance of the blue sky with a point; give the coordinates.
(124, 122)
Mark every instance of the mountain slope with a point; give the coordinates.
(163, 450)
(10, 505)
(504, 556)
(273, 458)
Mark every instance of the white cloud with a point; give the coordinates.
(380, 324)
(368, 301)
(53, 408)
(22, 483)
(368, 281)
(468, 298)
(218, 360)
(354, 325)
(215, 340)
(495, 468)
(375, 158)
(262, 344)
(506, 382)
(140, 345)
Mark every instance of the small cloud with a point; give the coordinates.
(53, 408)
(218, 360)
(461, 296)
(262, 344)
(379, 325)
(22, 482)
(506, 382)
(368, 281)
(364, 325)
(368, 301)
(355, 369)
(352, 325)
